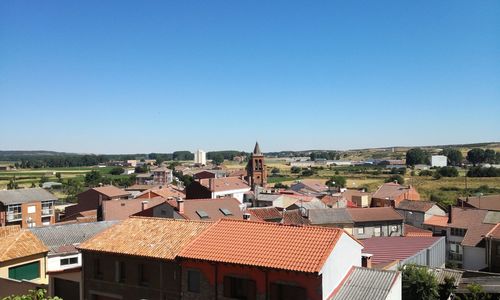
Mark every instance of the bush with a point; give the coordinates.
(295, 170)
(117, 171)
(307, 173)
(337, 181)
(396, 178)
(483, 172)
(280, 185)
(425, 173)
(447, 172)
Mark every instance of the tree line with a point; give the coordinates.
(475, 156)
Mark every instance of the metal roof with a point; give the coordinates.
(329, 216)
(25, 196)
(363, 283)
(441, 274)
(56, 236)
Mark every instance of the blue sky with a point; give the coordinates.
(158, 76)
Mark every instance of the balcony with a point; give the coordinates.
(47, 212)
(455, 256)
(11, 217)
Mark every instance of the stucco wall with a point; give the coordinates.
(474, 258)
(43, 279)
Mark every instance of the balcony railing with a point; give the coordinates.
(47, 212)
(455, 256)
(14, 216)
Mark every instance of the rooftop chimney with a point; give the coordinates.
(144, 205)
(366, 260)
(180, 205)
(211, 184)
(246, 216)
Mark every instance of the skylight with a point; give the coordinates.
(202, 214)
(226, 211)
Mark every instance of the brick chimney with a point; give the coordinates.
(211, 184)
(180, 205)
(366, 260)
(144, 205)
(246, 216)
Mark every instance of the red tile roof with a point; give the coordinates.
(262, 244)
(212, 207)
(294, 217)
(494, 232)
(374, 214)
(489, 202)
(440, 221)
(390, 190)
(111, 191)
(389, 249)
(415, 231)
(122, 209)
(475, 234)
(147, 237)
(421, 206)
(165, 192)
(225, 184)
(268, 213)
(17, 243)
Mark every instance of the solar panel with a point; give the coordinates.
(202, 214)
(226, 211)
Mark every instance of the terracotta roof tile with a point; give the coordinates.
(262, 244)
(16, 243)
(111, 191)
(269, 213)
(421, 206)
(390, 190)
(475, 234)
(165, 192)
(148, 237)
(214, 208)
(294, 217)
(415, 231)
(494, 232)
(374, 214)
(225, 184)
(440, 221)
(489, 202)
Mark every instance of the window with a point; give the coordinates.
(239, 288)
(27, 272)
(361, 230)
(14, 212)
(225, 211)
(289, 292)
(458, 231)
(394, 228)
(194, 281)
(47, 208)
(97, 269)
(120, 271)
(455, 252)
(143, 276)
(69, 261)
(377, 231)
(202, 214)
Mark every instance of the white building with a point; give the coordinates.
(200, 157)
(439, 161)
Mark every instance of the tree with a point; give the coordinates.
(12, 185)
(93, 178)
(446, 288)
(475, 156)
(280, 185)
(416, 156)
(308, 172)
(58, 176)
(419, 284)
(447, 172)
(455, 157)
(337, 181)
(295, 170)
(490, 156)
(141, 169)
(396, 178)
(117, 171)
(218, 159)
(42, 180)
(72, 188)
(39, 294)
(275, 171)
(476, 292)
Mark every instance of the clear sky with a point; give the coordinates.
(158, 76)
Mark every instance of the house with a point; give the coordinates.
(357, 197)
(416, 231)
(93, 198)
(63, 262)
(390, 253)
(144, 179)
(492, 239)
(280, 201)
(391, 193)
(273, 214)
(312, 187)
(209, 174)
(136, 259)
(363, 284)
(439, 161)
(489, 202)
(22, 259)
(256, 260)
(162, 176)
(360, 222)
(217, 188)
(27, 207)
(465, 230)
(166, 192)
(417, 212)
(196, 209)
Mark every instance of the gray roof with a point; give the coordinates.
(363, 283)
(25, 195)
(312, 204)
(268, 197)
(329, 216)
(55, 236)
(492, 217)
(441, 274)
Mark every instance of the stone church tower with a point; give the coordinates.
(256, 168)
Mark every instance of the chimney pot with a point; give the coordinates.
(144, 205)
(180, 205)
(246, 216)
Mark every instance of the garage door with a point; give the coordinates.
(66, 289)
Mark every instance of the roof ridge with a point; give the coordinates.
(492, 229)
(168, 219)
